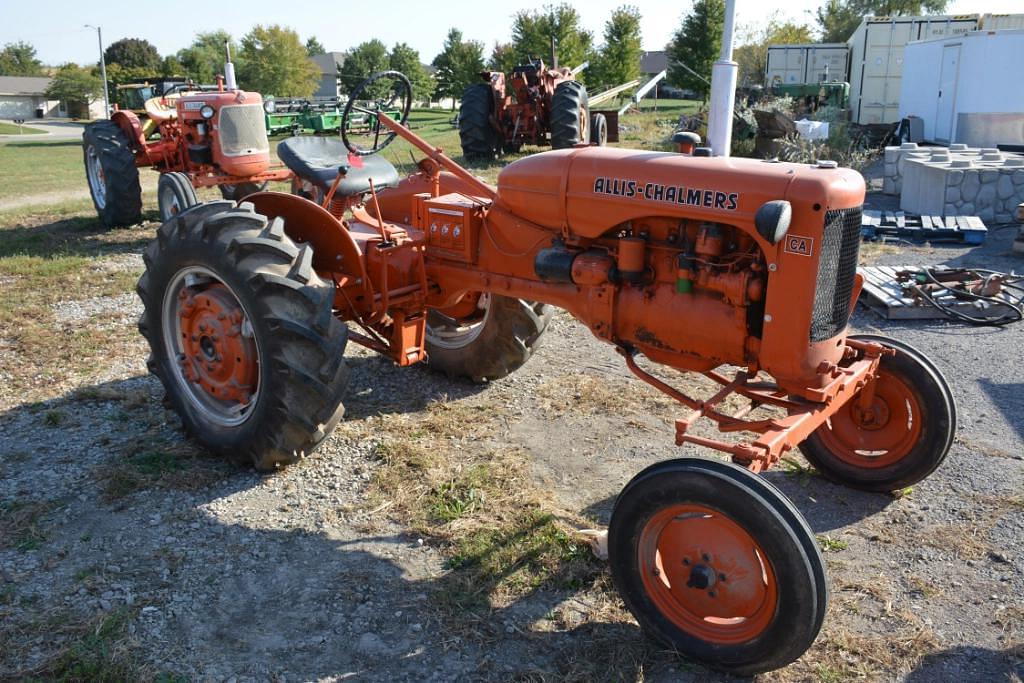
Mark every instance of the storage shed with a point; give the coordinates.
(963, 88)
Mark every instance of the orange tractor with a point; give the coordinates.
(546, 106)
(693, 263)
(206, 138)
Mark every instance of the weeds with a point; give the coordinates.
(831, 545)
(21, 524)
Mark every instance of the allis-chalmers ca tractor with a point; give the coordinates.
(206, 138)
(692, 263)
(546, 105)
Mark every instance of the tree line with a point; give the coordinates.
(274, 60)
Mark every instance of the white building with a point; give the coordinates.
(966, 88)
(24, 97)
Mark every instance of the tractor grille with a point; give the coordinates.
(837, 266)
(243, 130)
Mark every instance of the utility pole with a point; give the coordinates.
(103, 69)
(723, 89)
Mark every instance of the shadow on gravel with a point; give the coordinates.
(1007, 399)
(825, 505)
(970, 663)
(376, 385)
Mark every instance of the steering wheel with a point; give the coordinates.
(382, 97)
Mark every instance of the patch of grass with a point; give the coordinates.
(531, 551)
(54, 417)
(831, 545)
(14, 129)
(798, 470)
(21, 524)
(100, 653)
(156, 463)
(38, 167)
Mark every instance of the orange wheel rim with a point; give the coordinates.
(707, 575)
(216, 355)
(880, 435)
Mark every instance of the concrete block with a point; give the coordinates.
(971, 184)
(953, 194)
(958, 147)
(989, 177)
(967, 209)
(1004, 188)
(889, 186)
(891, 155)
(985, 202)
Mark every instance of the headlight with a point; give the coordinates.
(206, 112)
(269, 106)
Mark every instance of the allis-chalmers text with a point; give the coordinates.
(671, 194)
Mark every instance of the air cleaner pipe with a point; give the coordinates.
(723, 89)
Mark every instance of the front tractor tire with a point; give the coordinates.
(715, 563)
(901, 438)
(240, 191)
(570, 115)
(480, 141)
(112, 174)
(489, 338)
(174, 194)
(242, 334)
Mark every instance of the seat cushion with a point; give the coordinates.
(318, 159)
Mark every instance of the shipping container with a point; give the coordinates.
(876, 60)
(1001, 22)
(788, 64)
(958, 87)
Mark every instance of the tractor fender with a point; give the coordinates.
(128, 122)
(334, 249)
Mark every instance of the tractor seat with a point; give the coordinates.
(318, 159)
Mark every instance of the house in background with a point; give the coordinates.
(24, 97)
(330, 83)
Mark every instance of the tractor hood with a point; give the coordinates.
(593, 189)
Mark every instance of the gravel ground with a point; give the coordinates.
(225, 575)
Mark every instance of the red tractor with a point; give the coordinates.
(547, 106)
(206, 138)
(741, 270)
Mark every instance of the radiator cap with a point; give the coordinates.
(827, 163)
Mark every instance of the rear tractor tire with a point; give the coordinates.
(240, 191)
(480, 141)
(570, 115)
(174, 194)
(904, 435)
(242, 334)
(490, 341)
(112, 174)
(715, 563)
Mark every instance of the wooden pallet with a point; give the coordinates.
(909, 226)
(884, 295)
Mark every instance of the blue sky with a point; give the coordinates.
(56, 27)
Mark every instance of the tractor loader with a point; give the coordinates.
(741, 270)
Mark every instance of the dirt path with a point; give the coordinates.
(112, 524)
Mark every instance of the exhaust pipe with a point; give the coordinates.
(229, 68)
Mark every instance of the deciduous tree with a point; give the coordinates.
(73, 83)
(696, 45)
(532, 32)
(405, 59)
(618, 60)
(204, 58)
(19, 59)
(135, 54)
(754, 40)
(458, 65)
(273, 61)
(314, 47)
(361, 62)
(503, 58)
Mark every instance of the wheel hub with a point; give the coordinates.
(708, 574)
(217, 353)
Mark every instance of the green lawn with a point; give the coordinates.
(39, 167)
(12, 129)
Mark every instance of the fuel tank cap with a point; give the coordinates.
(827, 163)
